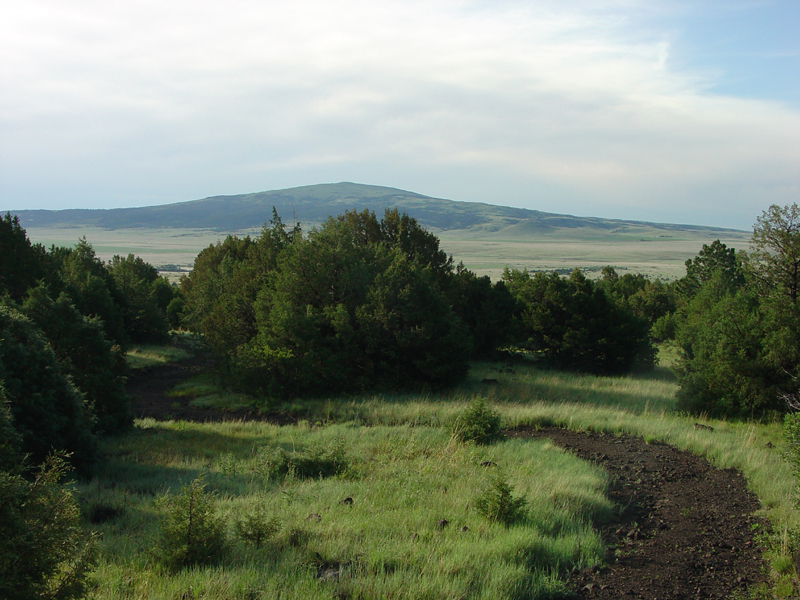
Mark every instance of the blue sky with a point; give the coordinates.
(664, 111)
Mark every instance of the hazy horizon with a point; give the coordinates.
(669, 112)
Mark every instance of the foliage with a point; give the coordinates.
(738, 331)
(87, 282)
(48, 411)
(44, 553)
(144, 298)
(222, 288)
(342, 316)
(573, 324)
(316, 462)
(652, 301)
(776, 258)
(21, 263)
(192, 533)
(478, 423)
(498, 504)
(487, 309)
(257, 526)
(10, 440)
(358, 304)
(95, 365)
(716, 260)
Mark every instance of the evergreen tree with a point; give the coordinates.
(48, 411)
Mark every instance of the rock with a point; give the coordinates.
(703, 427)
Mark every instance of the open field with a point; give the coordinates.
(487, 253)
(394, 458)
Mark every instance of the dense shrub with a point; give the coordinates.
(192, 533)
(478, 423)
(95, 365)
(359, 304)
(44, 553)
(48, 410)
(572, 324)
(498, 504)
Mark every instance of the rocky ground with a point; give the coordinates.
(685, 529)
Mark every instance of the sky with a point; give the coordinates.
(670, 111)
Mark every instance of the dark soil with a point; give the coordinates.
(147, 388)
(686, 529)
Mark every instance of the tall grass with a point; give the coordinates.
(390, 540)
(405, 475)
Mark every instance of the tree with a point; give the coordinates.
(95, 365)
(486, 308)
(221, 290)
(48, 411)
(776, 256)
(738, 351)
(711, 260)
(21, 263)
(345, 314)
(134, 280)
(192, 533)
(88, 283)
(44, 553)
(572, 324)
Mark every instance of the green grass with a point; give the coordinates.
(141, 356)
(403, 481)
(205, 392)
(404, 474)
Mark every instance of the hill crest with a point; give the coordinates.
(312, 204)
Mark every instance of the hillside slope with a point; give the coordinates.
(311, 205)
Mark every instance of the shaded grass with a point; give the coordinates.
(387, 543)
(150, 355)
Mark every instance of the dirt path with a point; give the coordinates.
(685, 530)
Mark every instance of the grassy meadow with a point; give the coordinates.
(371, 497)
(651, 252)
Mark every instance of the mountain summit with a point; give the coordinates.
(312, 204)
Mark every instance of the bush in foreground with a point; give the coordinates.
(44, 553)
(498, 504)
(478, 423)
(192, 533)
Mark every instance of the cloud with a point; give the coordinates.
(524, 103)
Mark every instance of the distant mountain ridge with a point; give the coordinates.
(313, 204)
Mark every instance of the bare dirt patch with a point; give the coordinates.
(685, 529)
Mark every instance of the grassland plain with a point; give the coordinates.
(404, 475)
(655, 253)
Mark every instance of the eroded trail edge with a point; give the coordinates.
(685, 530)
